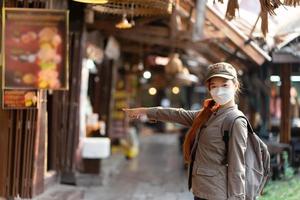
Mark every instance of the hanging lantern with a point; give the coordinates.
(174, 65)
(124, 24)
(92, 1)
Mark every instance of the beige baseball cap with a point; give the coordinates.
(221, 69)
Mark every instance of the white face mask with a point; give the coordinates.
(222, 95)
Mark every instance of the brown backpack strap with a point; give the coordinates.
(227, 126)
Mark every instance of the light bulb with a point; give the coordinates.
(123, 24)
(152, 91)
(175, 90)
(147, 75)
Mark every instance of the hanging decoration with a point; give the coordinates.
(267, 8)
(124, 24)
(178, 73)
(174, 65)
(136, 7)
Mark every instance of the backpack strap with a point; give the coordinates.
(227, 126)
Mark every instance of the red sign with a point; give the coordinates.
(19, 99)
(35, 49)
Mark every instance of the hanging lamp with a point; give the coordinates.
(92, 1)
(124, 24)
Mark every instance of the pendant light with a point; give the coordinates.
(92, 1)
(124, 24)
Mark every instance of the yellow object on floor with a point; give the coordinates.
(131, 152)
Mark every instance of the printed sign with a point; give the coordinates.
(35, 44)
(19, 99)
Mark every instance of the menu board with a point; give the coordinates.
(35, 49)
(19, 99)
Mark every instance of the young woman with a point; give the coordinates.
(204, 148)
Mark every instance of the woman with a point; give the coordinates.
(204, 148)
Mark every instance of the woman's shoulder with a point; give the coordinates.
(240, 123)
(234, 117)
(241, 116)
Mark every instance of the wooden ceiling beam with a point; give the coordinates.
(251, 49)
(234, 51)
(148, 20)
(145, 30)
(217, 52)
(224, 56)
(148, 35)
(133, 47)
(188, 2)
(167, 42)
(201, 47)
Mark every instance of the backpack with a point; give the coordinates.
(257, 157)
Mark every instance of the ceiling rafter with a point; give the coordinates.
(249, 48)
(168, 36)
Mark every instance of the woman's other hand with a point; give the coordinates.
(135, 113)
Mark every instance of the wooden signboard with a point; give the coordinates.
(35, 49)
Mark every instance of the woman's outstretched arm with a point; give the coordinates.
(176, 115)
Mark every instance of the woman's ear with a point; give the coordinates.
(237, 86)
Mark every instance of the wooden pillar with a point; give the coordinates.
(39, 146)
(70, 132)
(200, 18)
(285, 125)
(111, 88)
